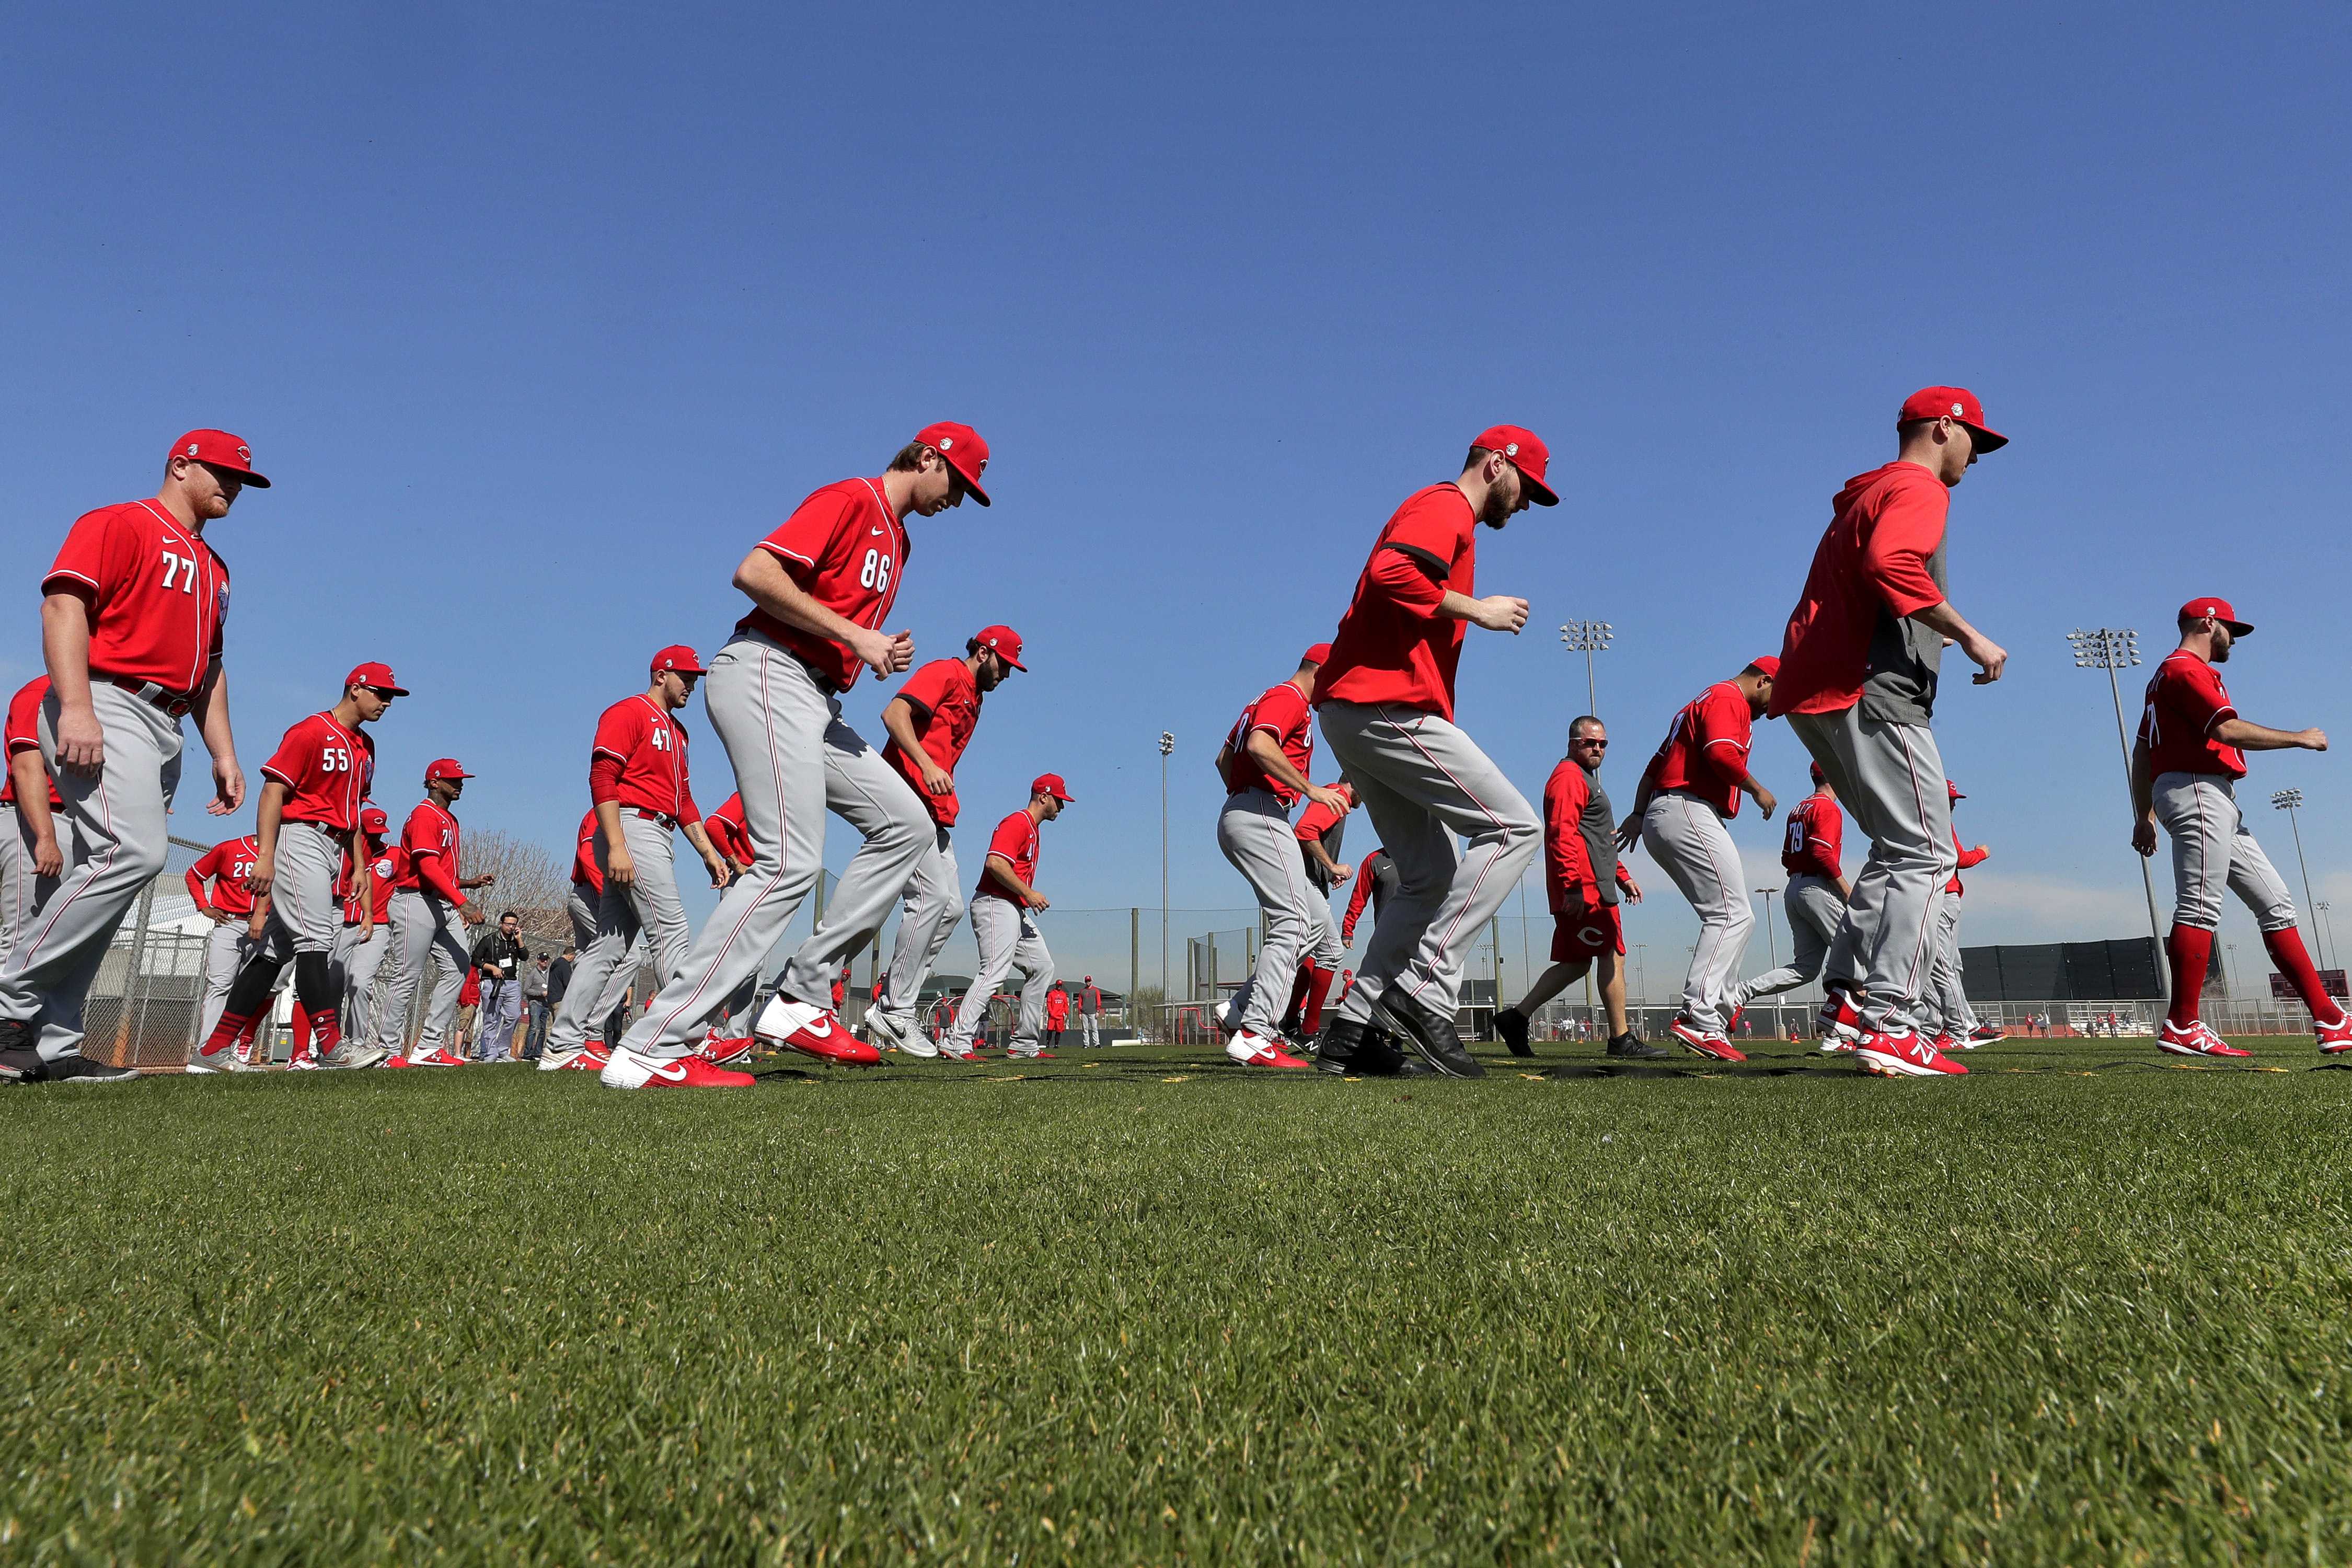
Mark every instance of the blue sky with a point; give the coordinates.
(540, 315)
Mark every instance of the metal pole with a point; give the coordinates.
(1592, 699)
(1167, 744)
(1773, 952)
(2308, 902)
(2146, 882)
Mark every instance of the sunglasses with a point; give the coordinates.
(1588, 741)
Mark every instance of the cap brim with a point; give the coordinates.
(971, 486)
(244, 476)
(2238, 628)
(1010, 660)
(395, 690)
(1539, 492)
(1986, 440)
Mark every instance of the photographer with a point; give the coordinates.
(498, 957)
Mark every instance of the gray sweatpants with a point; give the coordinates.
(120, 840)
(773, 717)
(2212, 853)
(1945, 1005)
(646, 914)
(358, 963)
(1423, 781)
(934, 903)
(1008, 941)
(1687, 838)
(871, 796)
(1891, 777)
(1253, 830)
(1814, 911)
(24, 894)
(501, 1014)
(423, 927)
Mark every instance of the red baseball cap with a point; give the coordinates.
(966, 453)
(2198, 609)
(1005, 641)
(1320, 654)
(377, 676)
(1954, 789)
(1051, 783)
(372, 820)
(222, 450)
(1767, 665)
(445, 768)
(1952, 403)
(680, 658)
(1819, 777)
(1528, 454)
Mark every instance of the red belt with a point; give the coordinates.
(174, 703)
(668, 821)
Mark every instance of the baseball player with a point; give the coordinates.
(367, 928)
(819, 586)
(1088, 1005)
(1385, 697)
(1002, 908)
(2186, 766)
(1376, 883)
(1318, 833)
(222, 871)
(1058, 1016)
(1945, 1001)
(31, 860)
(930, 722)
(131, 624)
(1811, 851)
(587, 896)
(428, 906)
(1691, 788)
(1858, 675)
(1583, 879)
(1265, 765)
(641, 785)
(310, 822)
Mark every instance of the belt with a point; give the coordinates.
(668, 821)
(174, 703)
(825, 683)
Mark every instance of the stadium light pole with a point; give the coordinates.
(2290, 802)
(2327, 932)
(1588, 638)
(1167, 744)
(2112, 649)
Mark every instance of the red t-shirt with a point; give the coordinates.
(1392, 645)
(584, 870)
(1314, 821)
(1282, 712)
(639, 761)
(729, 834)
(1015, 839)
(327, 770)
(946, 700)
(158, 595)
(2185, 700)
(24, 734)
(1885, 526)
(430, 836)
(385, 867)
(1706, 750)
(1815, 842)
(226, 866)
(843, 547)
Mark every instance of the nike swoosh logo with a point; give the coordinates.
(674, 1072)
(820, 1028)
(876, 532)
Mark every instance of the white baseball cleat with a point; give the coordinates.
(891, 1031)
(628, 1069)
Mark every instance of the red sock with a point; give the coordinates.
(1310, 1022)
(302, 1033)
(226, 1033)
(2286, 952)
(2191, 950)
(326, 1032)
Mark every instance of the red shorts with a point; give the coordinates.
(1586, 933)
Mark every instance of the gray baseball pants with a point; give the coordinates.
(1008, 941)
(869, 795)
(120, 840)
(1891, 777)
(1686, 837)
(1423, 781)
(772, 716)
(24, 894)
(1947, 1002)
(423, 926)
(2213, 853)
(648, 914)
(305, 916)
(1814, 911)
(1253, 830)
(226, 951)
(934, 903)
(358, 963)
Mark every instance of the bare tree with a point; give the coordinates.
(530, 882)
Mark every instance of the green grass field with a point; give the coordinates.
(1134, 1307)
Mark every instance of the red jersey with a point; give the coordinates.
(327, 770)
(1815, 842)
(1282, 712)
(1885, 531)
(1015, 839)
(729, 834)
(226, 866)
(385, 869)
(1706, 750)
(843, 547)
(2185, 700)
(1967, 858)
(946, 702)
(584, 870)
(24, 732)
(639, 761)
(430, 836)
(1316, 821)
(1392, 645)
(158, 595)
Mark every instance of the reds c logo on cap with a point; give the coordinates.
(947, 443)
(1958, 411)
(194, 448)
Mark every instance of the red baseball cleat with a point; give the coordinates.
(1985, 1035)
(813, 1032)
(720, 1052)
(627, 1069)
(2195, 1038)
(435, 1059)
(1946, 1043)
(1904, 1056)
(1703, 1042)
(1839, 1020)
(2335, 1038)
(1256, 1051)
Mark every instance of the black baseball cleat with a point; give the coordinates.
(20, 1056)
(1630, 1046)
(1357, 1050)
(1437, 1040)
(79, 1068)
(1512, 1025)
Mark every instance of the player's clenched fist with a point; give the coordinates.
(1502, 613)
(81, 742)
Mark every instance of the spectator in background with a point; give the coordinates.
(1058, 1016)
(534, 998)
(1090, 1013)
(498, 958)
